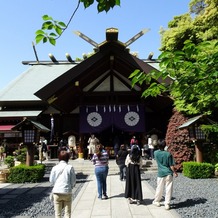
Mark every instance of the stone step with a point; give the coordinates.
(86, 166)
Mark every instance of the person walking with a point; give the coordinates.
(6, 150)
(165, 163)
(133, 141)
(120, 159)
(133, 188)
(92, 141)
(63, 178)
(2, 151)
(100, 160)
(116, 143)
(45, 148)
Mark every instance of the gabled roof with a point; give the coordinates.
(191, 122)
(200, 119)
(102, 78)
(26, 121)
(112, 62)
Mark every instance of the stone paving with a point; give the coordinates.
(87, 205)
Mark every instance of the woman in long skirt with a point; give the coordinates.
(133, 189)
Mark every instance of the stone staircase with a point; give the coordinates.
(86, 166)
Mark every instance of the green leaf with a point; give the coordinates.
(39, 32)
(62, 24)
(117, 2)
(137, 71)
(45, 39)
(58, 30)
(47, 25)
(52, 41)
(112, 3)
(100, 8)
(38, 38)
(46, 17)
(87, 3)
(52, 35)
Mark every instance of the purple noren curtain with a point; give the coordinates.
(129, 118)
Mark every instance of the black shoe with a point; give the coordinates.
(104, 197)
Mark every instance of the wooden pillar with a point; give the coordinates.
(198, 152)
(30, 155)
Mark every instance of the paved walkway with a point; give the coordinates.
(87, 205)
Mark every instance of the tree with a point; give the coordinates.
(190, 61)
(190, 57)
(52, 29)
(199, 25)
(178, 140)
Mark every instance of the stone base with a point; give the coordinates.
(4, 175)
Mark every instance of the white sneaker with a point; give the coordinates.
(156, 203)
(167, 206)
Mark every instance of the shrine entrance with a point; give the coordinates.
(96, 96)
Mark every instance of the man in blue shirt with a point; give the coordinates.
(165, 163)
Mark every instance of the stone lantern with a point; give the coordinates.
(30, 134)
(196, 134)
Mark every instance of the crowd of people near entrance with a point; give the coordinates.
(129, 160)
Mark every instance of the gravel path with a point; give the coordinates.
(37, 204)
(192, 198)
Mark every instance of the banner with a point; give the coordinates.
(128, 118)
(52, 131)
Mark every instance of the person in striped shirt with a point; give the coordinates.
(100, 160)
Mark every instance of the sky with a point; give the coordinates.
(20, 20)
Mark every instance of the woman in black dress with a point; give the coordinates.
(133, 189)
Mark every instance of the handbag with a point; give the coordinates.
(51, 196)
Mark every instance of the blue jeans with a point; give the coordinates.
(122, 171)
(101, 176)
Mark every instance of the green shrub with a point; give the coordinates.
(195, 170)
(21, 154)
(23, 173)
(9, 161)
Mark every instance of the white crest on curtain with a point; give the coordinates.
(96, 108)
(104, 109)
(119, 108)
(137, 108)
(128, 108)
(87, 110)
(109, 108)
(114, 108)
